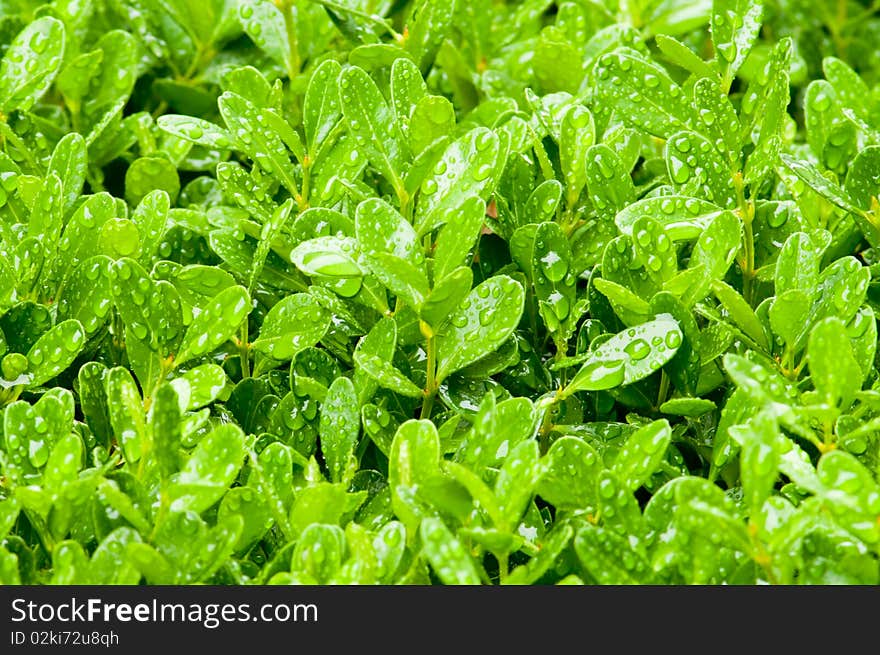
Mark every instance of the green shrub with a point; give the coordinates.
(363, 291)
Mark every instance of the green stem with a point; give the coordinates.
(747, 214)
(306, 189)
(430, 375)
(503, 566)
(406, 205)
(749, 271)
(664, 388)
(547, 424)
(761, 556)
(294, 63)
(244, 351)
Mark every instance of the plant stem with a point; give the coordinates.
(503, 566)
(430, 376)
(747, 214)
(293, 63)
(305, 190)
(243, 351)
(664, 388)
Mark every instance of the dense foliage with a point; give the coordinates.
(390, 291)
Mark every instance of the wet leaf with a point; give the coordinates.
(628, 356)
(482, 322)
(339, 429)
(209, 470)
(215, 324)
(31, 63)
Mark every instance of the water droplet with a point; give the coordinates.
(637, 349)
(728, 51)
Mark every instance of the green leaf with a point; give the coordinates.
(432, 120)
(735, 25)
(759, 460)
(655, 249)
(447, 555)
(55, 351)
(698, 169)
(642, 453)
(293, 324)
(253, 510)
(551, 548)
(713, 253)
(165, 420)
(329, 540)
(201, 385)
(517, 479)
(146, 174)
(428, 24)
(851, 90)
(447, 294)
(414, 458)
(150, 309)
(386, 375)
(195, 130)
(717, 118)
(481, 323)
(628, 356)
(570, 474)
(609, 183)
(577, 134)
(321, 106)
(819, 183)
(79, 239)
(863, 177)
(87, 296)
(329, 256)
(466, 168)
(740, 312)
(850, 494)
(833, 369)
(151, 218)
(340, 427)
(209, 471)
(126, 410)
(786, 315)
(216, 323)
(369, 117)
(46, 218)
(634, 87)
(609, 557)
(392, 251)
(831, 137)
(264, 23)
(682, 217)
(689, 407)
(458, 237)
(323, 503)
(108, 563)
(254, 136)
(31, 63)
(69, 162)
(799, 260)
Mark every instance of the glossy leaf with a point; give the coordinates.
(481, 322)
(628, 356)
